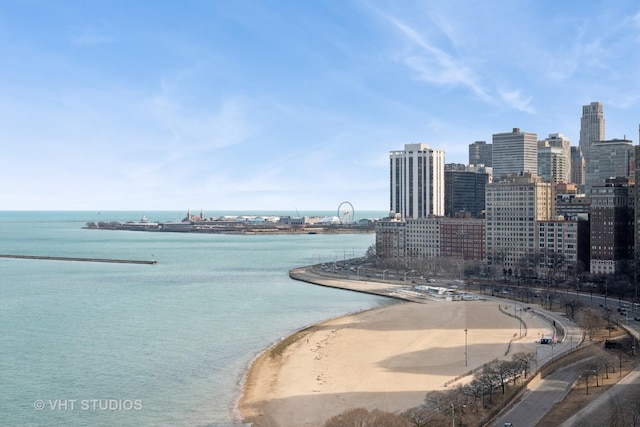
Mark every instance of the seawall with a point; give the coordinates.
(60, 258)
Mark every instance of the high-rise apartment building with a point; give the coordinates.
(417, 181)
(554, 158)
(612, 227)
(577, 166)
(591, 128)
(513, 205)
(480, 153)
(464, 190)
(562, 246)
(608, 159)
(514, 152)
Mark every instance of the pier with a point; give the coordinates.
(62, 258)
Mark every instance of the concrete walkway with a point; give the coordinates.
(535, 404)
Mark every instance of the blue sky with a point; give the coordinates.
(283, 105)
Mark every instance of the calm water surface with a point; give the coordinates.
(151, 345)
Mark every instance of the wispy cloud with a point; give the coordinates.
(434, 65)
(516, 100)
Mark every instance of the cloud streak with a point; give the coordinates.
(516, 100)
(434, 65)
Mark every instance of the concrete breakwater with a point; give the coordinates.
(61, 258)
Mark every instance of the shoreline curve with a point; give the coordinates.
(386, 358)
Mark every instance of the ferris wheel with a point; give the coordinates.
(345, 213)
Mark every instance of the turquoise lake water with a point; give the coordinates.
(149, 345)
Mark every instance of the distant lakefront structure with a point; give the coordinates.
(245, 224)
(522, 207)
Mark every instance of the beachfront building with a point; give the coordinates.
(462, 238)
(464, 189)
(417, 181)
(422, 240)
(612, 226)
(513, 206)
(554, 158)
(480, 153)
(390, 239)
(514, 152)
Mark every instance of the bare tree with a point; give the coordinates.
(571, 305)
(363, 417)
(497, 372)
(555, 264)
(595, 368)
(486, 379)
(475, 389)
(591, 320)
(422, 416)
(436, 401)
(606, 361)
(525, 360)
(370, 255)
(585, 377)
(512, 367)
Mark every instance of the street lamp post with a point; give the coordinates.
(453, 416)
(620, 361)
(466, 354)
(587, 383)
(405, 275)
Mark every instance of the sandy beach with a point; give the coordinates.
(385, 358)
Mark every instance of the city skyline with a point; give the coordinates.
(285, 105)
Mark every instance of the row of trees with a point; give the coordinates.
(462, 404)
(470, 403)
(547, 268)
(550, 265)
